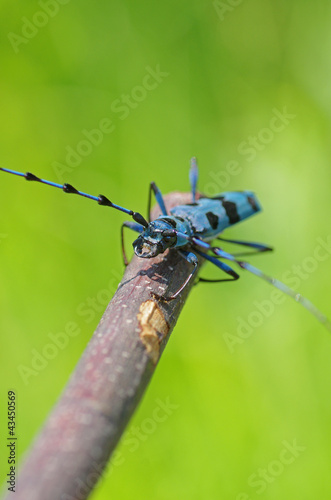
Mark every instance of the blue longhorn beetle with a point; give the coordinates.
(190, 228)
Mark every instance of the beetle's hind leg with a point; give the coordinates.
(221, 265)
(256, 247)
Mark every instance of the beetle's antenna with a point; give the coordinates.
(193, 175)
(288, 291)
(272, 281)
(68, 188)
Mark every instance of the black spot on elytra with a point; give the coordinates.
(252, 203)
(231, 211)
(230, 208)
(213, 219)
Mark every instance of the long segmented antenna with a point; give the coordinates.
(193, 176)
(68, 188)
(309, 306)
(288, 291)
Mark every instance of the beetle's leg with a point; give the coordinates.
(159, 198)
(135, 227)
(193, 176)
(257, 247)
(224, 267)
(191, 258)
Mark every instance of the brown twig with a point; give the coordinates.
(71, 451)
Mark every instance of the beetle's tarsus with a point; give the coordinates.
(161, 298)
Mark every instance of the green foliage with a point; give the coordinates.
(163, 81)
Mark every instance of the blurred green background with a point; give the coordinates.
(226, 70)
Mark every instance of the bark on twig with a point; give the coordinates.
(71, 451)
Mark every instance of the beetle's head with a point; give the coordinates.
(156, 238)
